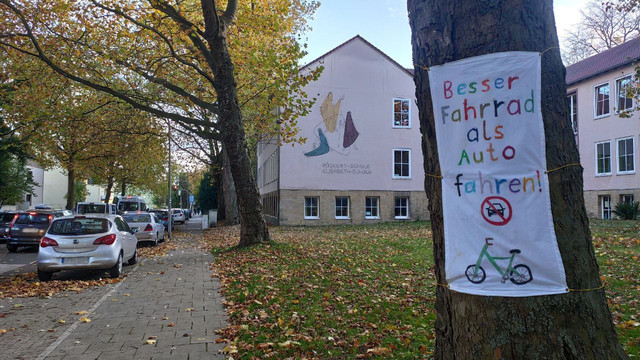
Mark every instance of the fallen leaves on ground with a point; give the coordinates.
(27, 285)
(163, 248)
(328, 292)
(367, 291)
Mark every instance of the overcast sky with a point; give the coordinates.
(385, 24)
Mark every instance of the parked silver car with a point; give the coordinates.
(146, 226)
(87, 242)
(178, 216)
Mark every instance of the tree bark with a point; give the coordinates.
(229, 192)
(71, 195)
(253, 228)
(107, 195)
(123, 188)
(577, 325)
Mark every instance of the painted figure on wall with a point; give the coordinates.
(341, 130)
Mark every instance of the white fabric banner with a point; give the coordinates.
(498, 228)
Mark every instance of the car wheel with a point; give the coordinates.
(12, 248)
(155, 243)
(116, 270)
(134, 258)
(44, 275)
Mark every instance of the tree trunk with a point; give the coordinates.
(577, 325)
(253, 228)
(71, 194)
(107, 195)
(123, 188)
(229, 192)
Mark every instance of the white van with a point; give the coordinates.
(95, 208)
(131, 203)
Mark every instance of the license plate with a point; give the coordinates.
(75, 260)
(30, 230)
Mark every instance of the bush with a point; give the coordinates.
(627, 211)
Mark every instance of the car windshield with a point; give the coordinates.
(32, 218)
(79, 226)
(137, 218)
(7, 217)
(91, 209)
(176, 211)
(128, 206)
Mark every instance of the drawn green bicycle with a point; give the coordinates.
(519, 274)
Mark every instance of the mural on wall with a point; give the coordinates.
(342, 132)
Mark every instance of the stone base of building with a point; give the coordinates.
(595, 199)
(292, 207)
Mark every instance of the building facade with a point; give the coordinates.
(362, 161)
(606, 127)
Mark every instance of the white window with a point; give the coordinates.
(626, 163)
(605, 204)
(401, 113)
(626, 199)
(402, 207)
(602, 100)
(623, 100)
(342, 207)
(371, 208)
(401, 164)
(573, 111)
(603, 158)
(311, 208)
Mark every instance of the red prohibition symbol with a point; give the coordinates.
(493, 210)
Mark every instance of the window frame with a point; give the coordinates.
(595, 101)
(615, 82)
(573, 111)
(609, 211)
(624, 196)
(596, 158)
(377, 207)
(335, 208)
(633, 156)
(393, 113)
(395, 206)
(317, 206)
(393, 164)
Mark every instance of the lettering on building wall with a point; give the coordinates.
(346, 168)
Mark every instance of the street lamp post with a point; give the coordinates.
(170, 217)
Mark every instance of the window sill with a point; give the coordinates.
(312, 218)
(602, 116)
(603, 174)
(626, 172)
(401, 177)
(372, 217)
(401, 218)
(342, 218)
(400, 127)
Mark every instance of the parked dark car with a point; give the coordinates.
(28, 228)
(6, 217)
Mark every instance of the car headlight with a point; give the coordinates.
(7, 230)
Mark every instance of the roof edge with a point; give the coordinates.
(367, 43)
(618, 66)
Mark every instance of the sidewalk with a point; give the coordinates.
(171, 301)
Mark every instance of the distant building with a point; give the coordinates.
(606, 141)
(362, 162)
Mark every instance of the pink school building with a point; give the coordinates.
(608, 142)
(362, 162)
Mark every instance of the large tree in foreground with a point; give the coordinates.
(173, 59)
(576, 325)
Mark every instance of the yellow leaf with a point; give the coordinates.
(81, 312)
(2, 331)
(151, 342)
(85, 320)
(62, 321)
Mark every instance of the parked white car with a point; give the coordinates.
(87, 242)
(178, 216)
(146, 226)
